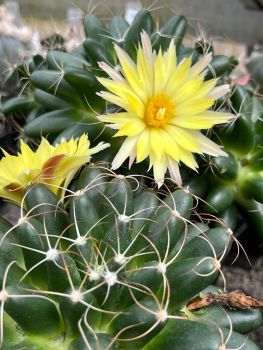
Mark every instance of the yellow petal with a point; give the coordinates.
(205, 89)
(204, 120)
(118, 118)
(171, 147)
(143, 146)
(188, 90)
(199, 66)
(179, 76)
(193, 106)
(209, 147)
(170, 59)
(174, 171)
(157, 142)
(113, 99)
(159, 169)
(118, 88)
(145, 73)
(68, 164)
(159, 74)
(188, 159)
(135, 104)
(51, 165)
(128, 146)
(26, 152)
(110, 71)
(219, 91)
(130, 71)
(183, 138)
(131, 129)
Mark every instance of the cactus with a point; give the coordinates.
(228, 184)
(17, 44)
(64, 85)
(114, 266)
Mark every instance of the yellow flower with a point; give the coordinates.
(54, 166)
(166, 105)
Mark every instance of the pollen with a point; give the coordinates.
(160, 110)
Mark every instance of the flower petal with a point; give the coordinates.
(157, 143)
(209, 147)
(113, 99)
(110, 71)
(184, 138)
(159, 169)
(143, 146)
(170, 59)
(160, 78)
(179, 76)
(219, 91)
(203, 120)
(194, 106)
(198, 67)
(174, 171)
(130, 71)
(188, 159)
(132, 128)
(188, 90)
(126, 148)
(171, 147)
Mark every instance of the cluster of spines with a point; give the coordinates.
(115, 262)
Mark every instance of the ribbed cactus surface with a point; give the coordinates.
(113, 266)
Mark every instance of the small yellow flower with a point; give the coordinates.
(165, 106)
(54, 166)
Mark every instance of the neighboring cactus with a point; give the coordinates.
(17, 44)
(237, 181)
(114, 267)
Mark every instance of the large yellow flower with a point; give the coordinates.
(166, 104)
(53, 165)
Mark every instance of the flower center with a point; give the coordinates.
(159, 110)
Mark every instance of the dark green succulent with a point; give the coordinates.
(114, 267)
(234, 183)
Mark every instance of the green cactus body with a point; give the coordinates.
(113, 267)
(236, 180)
